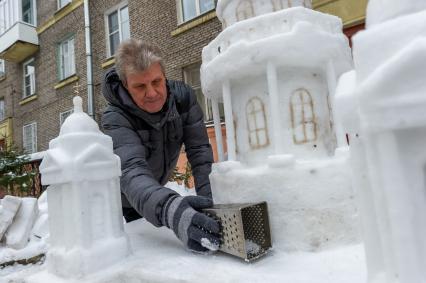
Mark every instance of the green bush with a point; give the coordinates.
(15, 177)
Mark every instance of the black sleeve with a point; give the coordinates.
(197, 146)
(144, 193)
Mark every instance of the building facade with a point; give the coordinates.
(43, 56)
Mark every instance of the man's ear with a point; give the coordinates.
(124, 83)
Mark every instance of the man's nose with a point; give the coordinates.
(150, 92)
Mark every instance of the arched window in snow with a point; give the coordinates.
(256, 123)
(303, 119)
(245, 10)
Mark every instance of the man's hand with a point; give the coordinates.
(197, 231)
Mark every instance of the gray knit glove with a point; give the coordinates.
(197, 231)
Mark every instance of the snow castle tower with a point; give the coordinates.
(85, 217)
(388, 133)
(275, 67)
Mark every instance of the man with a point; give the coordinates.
(149, 118)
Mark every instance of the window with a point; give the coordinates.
(192, 77)
(303, 119)
(256, 123)
(118, 28)
(28, 12)
(66, 58)
(2, 68)
(29, 138)
(245, 10)
(2, 114)
(190, 9)
(63, 3)
(29, 78)
(64, 115)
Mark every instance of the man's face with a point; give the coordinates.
(148, 88)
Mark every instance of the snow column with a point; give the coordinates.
(332, 83)
(273, 101)
(217, 128)
(229, 120)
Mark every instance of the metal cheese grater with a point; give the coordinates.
(245, 229)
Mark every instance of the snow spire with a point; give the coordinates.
(78, 104)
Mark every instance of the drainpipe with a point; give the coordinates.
(88, 39)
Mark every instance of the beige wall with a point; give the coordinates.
(352, 12)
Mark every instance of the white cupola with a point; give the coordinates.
(85, 216)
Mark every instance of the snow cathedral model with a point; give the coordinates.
(275, 68)
(85, 217)
(387, 125)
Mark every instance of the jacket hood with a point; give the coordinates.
(116, 94)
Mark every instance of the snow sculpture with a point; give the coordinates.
(235, 11)
(85, 217)
(276, 73)
(387, 126)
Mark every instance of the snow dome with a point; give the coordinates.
(84, 203)
(276, 73)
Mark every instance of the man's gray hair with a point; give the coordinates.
(135, 55)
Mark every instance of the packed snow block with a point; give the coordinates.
(42, 203)
(41, 227)
(9, 207)
(19, 232)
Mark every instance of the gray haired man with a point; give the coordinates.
(149, 118)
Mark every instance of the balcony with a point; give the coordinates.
(18, 35)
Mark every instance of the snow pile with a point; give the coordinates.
(8, 209)
(157, 256)
(17, 218)
(23, 242)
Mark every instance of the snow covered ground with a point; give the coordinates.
(159, 257)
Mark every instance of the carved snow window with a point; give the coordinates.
(256, 123)
(302, 117)
(245, 10)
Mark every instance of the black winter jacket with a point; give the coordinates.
(149, 149)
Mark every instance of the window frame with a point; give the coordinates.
(2, 109)
(61, 62)
(59, 4)
(2, 68)
(116, 8)
(32, 79)
(33, 126)
(180, 13)
(307, 116)
(61, 119)
(207, 117)
(255, 109)
(33, 11)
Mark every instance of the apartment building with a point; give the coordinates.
(43, 56)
